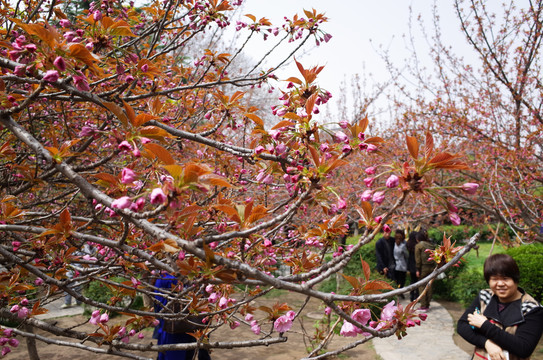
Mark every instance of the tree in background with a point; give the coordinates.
(491, 109)
(129, 151)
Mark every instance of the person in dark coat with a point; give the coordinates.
(384, 253)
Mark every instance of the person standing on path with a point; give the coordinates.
(401, 255)
(503, 322)
(424, 266)
(384, 253)
(164, 337)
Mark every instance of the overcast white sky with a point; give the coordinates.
(359, 28)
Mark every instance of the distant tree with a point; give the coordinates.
(491, 110)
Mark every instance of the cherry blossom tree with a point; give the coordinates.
(130, 151)
(488, 105)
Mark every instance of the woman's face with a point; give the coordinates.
(398, 238)
(504, 287)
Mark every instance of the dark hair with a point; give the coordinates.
(422, 236)
(412, 242)
(399, 231)
(501, 265)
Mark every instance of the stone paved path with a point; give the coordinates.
(432, 340)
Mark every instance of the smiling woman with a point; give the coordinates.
(503, 322)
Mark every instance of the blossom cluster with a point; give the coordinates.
(7, 341)
(391, 315)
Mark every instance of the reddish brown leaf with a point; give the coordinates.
(255, 119)
(107, 178)
(160, 152)
(366, 271)
(130, 113)
(294, 80)
(310, 103)
(428, 145)
(118, 111)
(282, 124)
(314, 156)
(412, 146)
(353, 281)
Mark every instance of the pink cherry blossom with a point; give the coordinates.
(388, 311)
(104, 318)
(121, 203)
(341, 137)
(255, 328)
(13, 342)
(65, 23)
(378, 197)
(81, 83)
(371, 148)
(366, 195)
(157, 196)
(369, 181)
(282, 324)
(127, 176)
(348, 330)
(370, 171)
(51, 76)
(280, 148)
(125, 146)
(23, 312)
(290, 314)
(97, 15)
(324, 147)
(213, 297)
(60, 63)
(392, 181)
(470, 188)
(234, 324)
(223, 303)
(455, 219)
(361, 315)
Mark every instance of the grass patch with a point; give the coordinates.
(475, 259)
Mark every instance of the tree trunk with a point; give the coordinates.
(31, 345)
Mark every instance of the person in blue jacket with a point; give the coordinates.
(163, 337)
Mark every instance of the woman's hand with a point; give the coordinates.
(476, 319)
(494, 351)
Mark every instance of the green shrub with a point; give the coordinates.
(442, 288)
(354, 268)
(529, 259)
(467, 286)
(99, 292)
